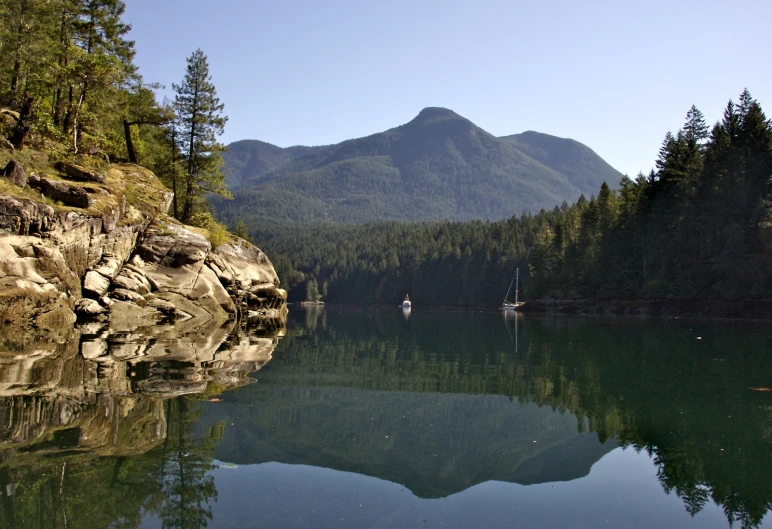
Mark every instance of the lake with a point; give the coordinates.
(359, 417)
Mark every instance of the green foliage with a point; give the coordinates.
(694, 228)
(200, 121)
(250, 159)
(445, 263)
(73, 58)
(215, 232)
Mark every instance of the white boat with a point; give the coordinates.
(406, 304)
(507, 306)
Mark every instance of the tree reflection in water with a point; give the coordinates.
(187, 486)
(92, 442)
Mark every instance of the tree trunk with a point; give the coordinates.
(17, 63)
(68, 112)
(63, 41)
(188, 211)
(129, 141)
(75, 129)
(22, 126)
(174, 172)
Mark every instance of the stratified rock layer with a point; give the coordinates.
(107, 237)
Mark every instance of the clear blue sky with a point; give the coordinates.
(615, 76)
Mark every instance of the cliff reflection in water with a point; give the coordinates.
(94, 431)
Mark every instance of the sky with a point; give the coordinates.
(614, 75)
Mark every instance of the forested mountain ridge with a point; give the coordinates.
(581, 164)
(247, 159)
(699, 227)
(437, 166)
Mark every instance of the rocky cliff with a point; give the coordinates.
(76, 243)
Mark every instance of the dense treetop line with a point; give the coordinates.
(697, 227)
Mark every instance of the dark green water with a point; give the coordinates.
(370, 418)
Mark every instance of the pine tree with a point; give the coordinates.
(200, 120)
(695, 128)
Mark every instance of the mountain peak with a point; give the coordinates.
(433, 114)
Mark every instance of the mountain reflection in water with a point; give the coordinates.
(115, 429)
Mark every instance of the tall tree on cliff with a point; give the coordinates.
(200, 120)
(100, 63)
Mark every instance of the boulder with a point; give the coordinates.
(68, 194)
(122, 294)
(124, 254)
(109, 266)
(77, 172)
(7, 145)
(131, 280)
(36, 285)
(89, 307)
(95, 285)
(15, 173)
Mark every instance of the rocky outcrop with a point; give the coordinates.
(67, 194)
(77, 172)
(15, 173)
(103, 247)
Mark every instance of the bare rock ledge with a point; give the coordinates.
(102, 246)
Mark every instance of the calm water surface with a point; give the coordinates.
(374, 418)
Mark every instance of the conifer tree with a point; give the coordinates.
(695, 128)
(200, 121)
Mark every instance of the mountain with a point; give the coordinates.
(472, 438)
(438, 166)
(253, 158)
(569, 157)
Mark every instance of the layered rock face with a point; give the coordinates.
(100, 245)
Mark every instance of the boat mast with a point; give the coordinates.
(517, 284)
(510, 287)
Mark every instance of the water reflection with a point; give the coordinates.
(118, 427)
(94, 431)
(447, 400)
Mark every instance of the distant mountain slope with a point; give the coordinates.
(248, 159)
(438, 166)
(569, 157)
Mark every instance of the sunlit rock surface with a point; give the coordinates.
(120, 251)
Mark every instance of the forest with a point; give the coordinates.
(69, 89)
(699, 226)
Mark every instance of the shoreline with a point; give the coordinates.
(745, 309)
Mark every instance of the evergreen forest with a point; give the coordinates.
(699, 226)
(69, 90)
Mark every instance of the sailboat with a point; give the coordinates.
(508, 305)
(406, 304)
